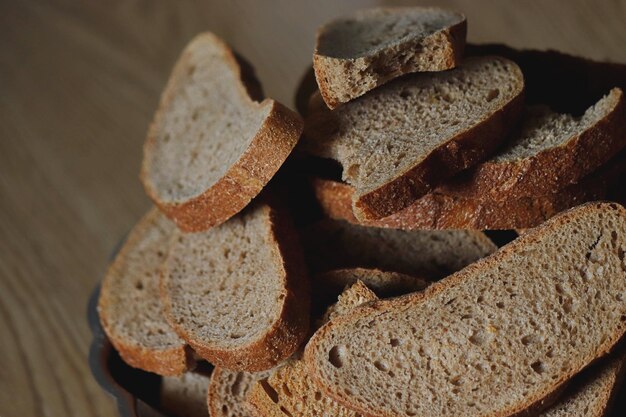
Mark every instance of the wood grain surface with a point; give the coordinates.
(79, 81)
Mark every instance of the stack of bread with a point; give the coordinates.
(338, 265)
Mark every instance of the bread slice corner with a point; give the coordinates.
(211, 147)
(359, 52)
(184, 395)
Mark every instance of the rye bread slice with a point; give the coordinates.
(593, 392)
(356, 53)
(550, 151)
(289, 391)
(430, 254)
(238, 293)
(211, 147)
(129, 305)
(229, 390)
(494, 339)
(185, 395)
(399, 141)
(437, 210)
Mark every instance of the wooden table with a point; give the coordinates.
(79, 82)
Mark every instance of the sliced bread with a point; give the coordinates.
(289, 391)
(185, 395)
(211, 147)
(238, 293)
(437, 210)
(592, 392)
(229, 390)
(399, 141)
(129, 305)
(495, 339)
(359, 52)
(550, 152)
(336, 244)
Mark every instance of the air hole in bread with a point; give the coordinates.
(284, 410)
(538, 367)
(269, 390)
(493, 94)
(381, 366)
(336, 356)
(394, 342)
(235, 388)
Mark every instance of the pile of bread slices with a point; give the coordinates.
(337, 265)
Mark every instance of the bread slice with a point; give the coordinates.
(185, 395)
(398, 142)
(357, 53)
(336, 244)
(593, 391)
(437, 210)
(289, 391)
(238, 293)
(211, 147)
(500, 336)
(228, 392)
(129, 305)
(550, 152)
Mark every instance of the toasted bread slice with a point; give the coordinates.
(495, 339)
(211, 147)
(437, 210)
(357, 53)
(185, 395)
(401, 140)
(550, 152)
(229, 390)
(336, 244)
(593, 392)
(290, 391)
(238, 293)
(129, 305)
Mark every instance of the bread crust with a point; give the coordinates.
(291, 327)
(245, 179)
(437, 210)
(446, 45)
(551, 169)
(541, 399)
(167, 362)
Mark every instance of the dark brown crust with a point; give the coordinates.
(291, 327)
(450, 42)
(458, 153)
(542, 399)
(267, 151)
(436, 210)
(167, 362)
(551, 169)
